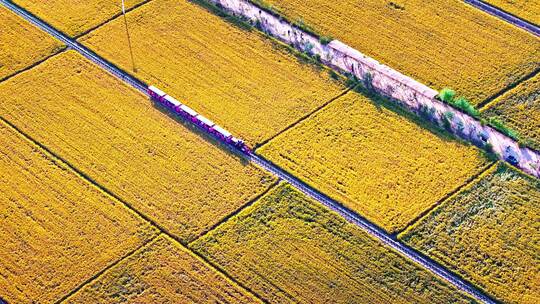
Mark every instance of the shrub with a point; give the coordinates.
(463, 104)
(324, 40)
(447, 95)
(501, 127)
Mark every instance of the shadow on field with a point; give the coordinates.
(382, 102)
(205, 136)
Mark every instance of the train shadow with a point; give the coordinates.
(241, 157)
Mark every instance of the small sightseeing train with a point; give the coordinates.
(199, 120)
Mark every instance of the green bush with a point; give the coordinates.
(501, 127)
(324, 40)
(447, 95)
(463, 104)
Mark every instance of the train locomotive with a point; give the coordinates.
(204, 123)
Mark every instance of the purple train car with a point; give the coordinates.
(204, 123)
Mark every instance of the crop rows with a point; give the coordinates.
(113, 134)
(382, 165)
(289, 248)
(519, 109)
(528, 10)
(22, 44)
(56, 229)
(488, 233)
(245, 83)
(440, 43)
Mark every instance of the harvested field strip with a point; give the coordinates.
(376, 162)
(76, 17)
(488, 233)
(22, 44)
(289, 248)
(438, 51)
(528, 10)
(46, 210)
(111, 133)
(162, 271)
(519, 109)
(244, 82)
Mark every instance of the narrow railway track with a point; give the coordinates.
(346, 213)
(492, 10)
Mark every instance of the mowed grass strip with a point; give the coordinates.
(161, 272)
(74, 17)
(22, 44)
(488, 233)
(383, 165)
(519, 109)
(57, 230)
(237, 78)
(290, 249)
(525, 9)
(441, 43)
(119, 139)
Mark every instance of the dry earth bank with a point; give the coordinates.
(441, 43)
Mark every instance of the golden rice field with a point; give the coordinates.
(74, 17)
(525, 9)
(115, 136)
(519, 109)
(161, 272)
(441, 43)
(57, 230)
(376, 162)
(238, 78)
(22, 44)
(288, 248)
(488, 233)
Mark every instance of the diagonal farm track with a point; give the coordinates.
(346, 213)
(492, 10)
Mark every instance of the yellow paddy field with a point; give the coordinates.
(525, 9)
(519, 109)
(290, 249)
(442, 43)
(161, 272)
(115, 136)
(74, 17)
(488, 233)
(57, 230)
(22, 44)
(238, 78)
(376, 162)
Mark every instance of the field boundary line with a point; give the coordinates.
(486, 104)
(423, 261)
(348, 214)
(127, 205)
(470, 181)
(102, 271)
(271, 187)
(491, 168)
(505, 16)
(35, 64)
(113, 17)
(301, 119)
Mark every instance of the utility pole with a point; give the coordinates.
(128, 38)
